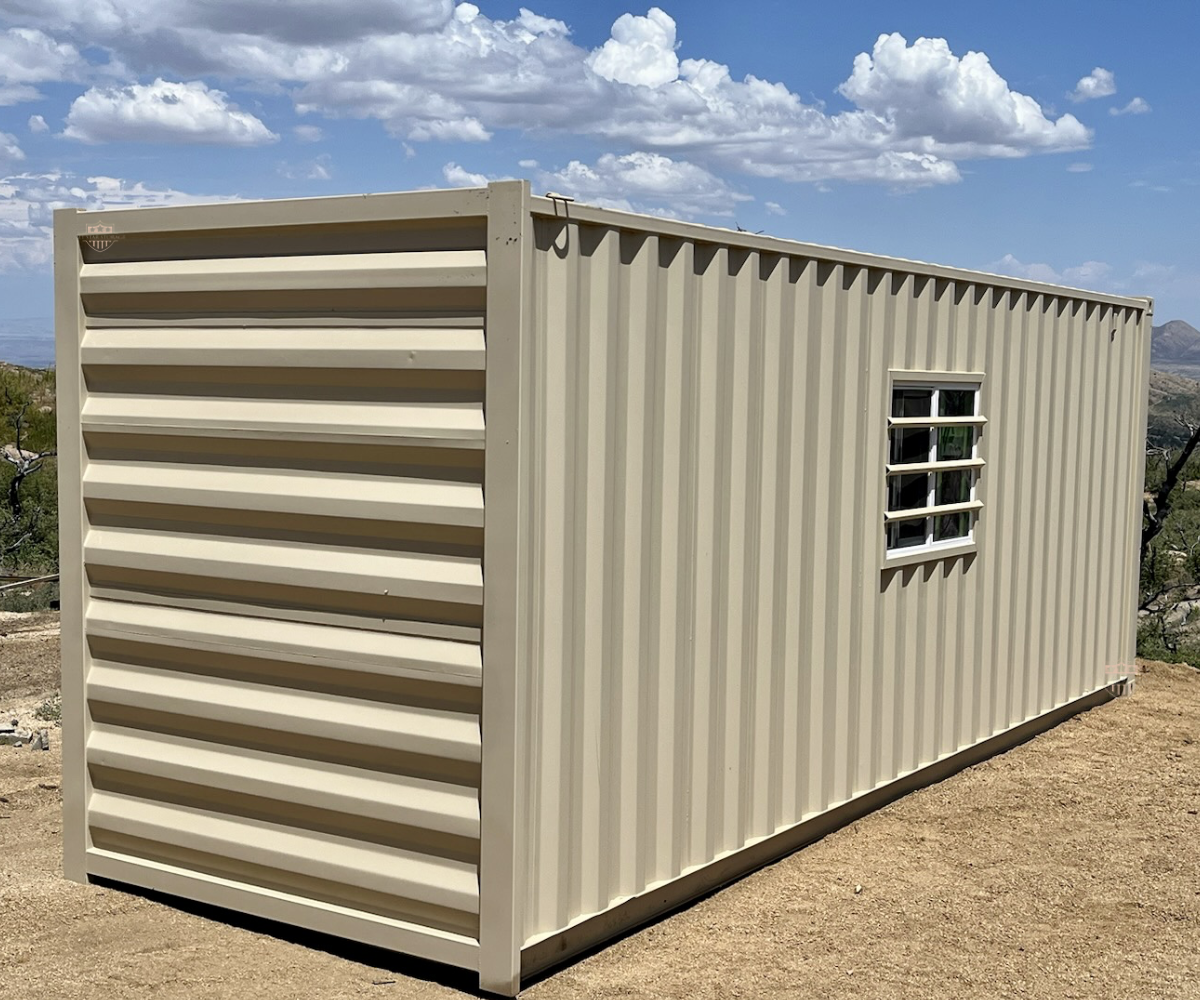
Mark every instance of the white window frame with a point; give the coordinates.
(953, 547)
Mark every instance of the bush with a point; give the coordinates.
(28, 472)
(50, 710)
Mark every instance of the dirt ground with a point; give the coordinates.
(1066, 868)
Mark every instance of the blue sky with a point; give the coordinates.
(1056, 141)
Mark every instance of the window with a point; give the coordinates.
(933, 465)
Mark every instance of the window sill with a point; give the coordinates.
(912, 557)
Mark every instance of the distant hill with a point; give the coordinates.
(1175, 347)
(28, 342)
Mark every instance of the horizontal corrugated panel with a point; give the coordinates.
(348, 495)
(289, 642)
(414, 269)
(419, 576)
(404, 728)
(283, 432)
(714, 648)
(451, 425)
(403, 874)
(314, 784)
(292, 347)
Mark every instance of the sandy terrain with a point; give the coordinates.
(1068, 867)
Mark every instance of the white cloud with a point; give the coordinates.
(1078, 168)
(28, 201)
(465, 129)
(1091, 274)
(774, 208)
(163, 111)
(308, 133)
(31, 56)
(432, 72)
(38, 124)
(941, 104)
(645, 182)
(317, 21)
(641, 51)
(1099, 82)
(17, 93)
(527, 164)
(457, 176)
(302, 22)
(318, 169)
(1137, 106)
(9, 150)
(1175, 285)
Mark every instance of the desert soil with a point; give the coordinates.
(1067, 867)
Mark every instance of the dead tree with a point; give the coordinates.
(1157, 509)
(25, 463)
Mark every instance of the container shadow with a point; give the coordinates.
(462, 980)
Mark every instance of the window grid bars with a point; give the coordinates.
(935, 421)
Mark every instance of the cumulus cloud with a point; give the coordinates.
(1078, 168)
(774, 208)
(1135, 107)
(308, 133)
(646, 182)
(163, 111)
(28, 201)
(1098, 83)
(457, 176)
(1091, 274)
(641, 50)
(952, 107)
(30, 56)
(38, 124)
(433, 71)
(10, 152)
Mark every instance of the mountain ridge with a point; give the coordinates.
(1175, 346)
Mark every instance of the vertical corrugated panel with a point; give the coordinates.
(283, 438)
(718, 653)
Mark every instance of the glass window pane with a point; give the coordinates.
(907, 492)
(909, 401)
(956, 403)
(955, 443)
(905, 534)
(953, 486)
(910, 444)
(951, 526)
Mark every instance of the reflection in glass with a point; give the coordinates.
(908, 492)
(953, 486)
(955, 443)
(905, 534)
(909, 402)
(950, 526)
(956, 403)
(910, 444)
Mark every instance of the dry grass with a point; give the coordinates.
(1067, 867)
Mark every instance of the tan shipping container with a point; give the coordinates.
(478, 575)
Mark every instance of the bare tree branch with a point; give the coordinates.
(1158, 509)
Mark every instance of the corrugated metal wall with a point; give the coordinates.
(281, 465)
(714, 652)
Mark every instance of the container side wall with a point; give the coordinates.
(715, 654)
(278, 679)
